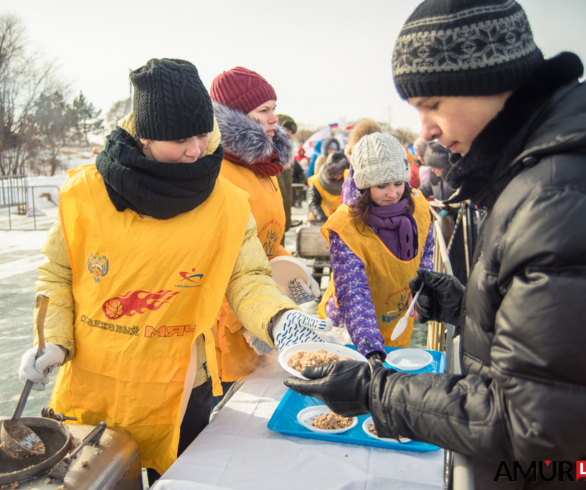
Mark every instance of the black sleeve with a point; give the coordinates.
(426, 189)
(314, 203)
(529, 401)
(298, 175)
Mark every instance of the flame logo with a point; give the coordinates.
(136, 302)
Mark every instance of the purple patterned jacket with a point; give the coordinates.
(356, 310)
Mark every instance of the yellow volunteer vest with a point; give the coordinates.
(144, 290)
(266, 204)
(329, 202)
(235, 357)
(388, 276)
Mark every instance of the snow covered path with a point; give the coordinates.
(19, 258)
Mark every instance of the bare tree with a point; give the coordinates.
(54, 119)
(405, 135)
(118, 110)
(22, 79)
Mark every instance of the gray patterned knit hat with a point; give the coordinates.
(464, 48)
(170, 101)
(378, 159)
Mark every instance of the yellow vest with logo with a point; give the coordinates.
(266, 204)
(144, 290)
(329, 202)
(388, 276)
(235, 357)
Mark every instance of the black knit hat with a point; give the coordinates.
(170, 102)
(436, 156)
(464, 48)
(336, 164)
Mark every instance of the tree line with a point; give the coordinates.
(36, 120)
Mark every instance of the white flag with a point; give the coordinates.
(321, 135)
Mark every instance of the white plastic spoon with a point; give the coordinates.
(402, 325)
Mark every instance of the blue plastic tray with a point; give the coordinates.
(284, 419)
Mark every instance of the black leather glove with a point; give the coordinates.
(343, 386)
(441, 297)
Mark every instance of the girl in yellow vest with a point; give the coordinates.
(148, 241)
(378, 239)
(256, 151)
(324, 195)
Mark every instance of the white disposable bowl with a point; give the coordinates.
(408, 359)
(304, 418)
(286, 269)
(369, 421)
(337, 349)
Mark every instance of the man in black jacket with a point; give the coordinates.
(517, 124)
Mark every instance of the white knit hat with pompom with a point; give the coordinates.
(378, 159)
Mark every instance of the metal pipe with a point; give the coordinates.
(34, 210)
(465, 223)
(458, 219)
(460, 472)
(443, 251)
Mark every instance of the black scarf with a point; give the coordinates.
(484, 172)
(151, 188)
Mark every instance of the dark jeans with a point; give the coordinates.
(225, 387)
(197, 416)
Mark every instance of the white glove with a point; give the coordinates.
(301, 292)
(38, 370)
(296, 327)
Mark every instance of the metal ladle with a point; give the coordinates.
(18, 441)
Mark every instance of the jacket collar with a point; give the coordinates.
(499, 151)
(246, 138)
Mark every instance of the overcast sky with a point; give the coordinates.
(327, 59)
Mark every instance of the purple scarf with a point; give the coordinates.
(396, 228)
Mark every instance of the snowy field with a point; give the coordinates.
(20, 255)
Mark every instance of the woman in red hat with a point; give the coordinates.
(256, 150)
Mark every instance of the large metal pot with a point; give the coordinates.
(114, 463)
(57, 440)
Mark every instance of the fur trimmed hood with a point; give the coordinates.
(246, 138)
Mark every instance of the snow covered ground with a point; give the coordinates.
(20, 255)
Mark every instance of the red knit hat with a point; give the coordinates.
(241, 89)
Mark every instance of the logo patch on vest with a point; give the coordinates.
(269, 236)
(136, 302)
(190, 277)
(393, 315)
(98, 266)
(134, 330)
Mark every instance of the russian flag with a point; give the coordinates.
(333, 125)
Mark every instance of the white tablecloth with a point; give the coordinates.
(237, 450)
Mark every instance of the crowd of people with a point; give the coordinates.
(158, 267)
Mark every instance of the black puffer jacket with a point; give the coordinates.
(523, 325)
(314, 204)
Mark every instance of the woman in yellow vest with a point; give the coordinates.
(256, 151)
(378, 239)
(324, 195)
(148, 241)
